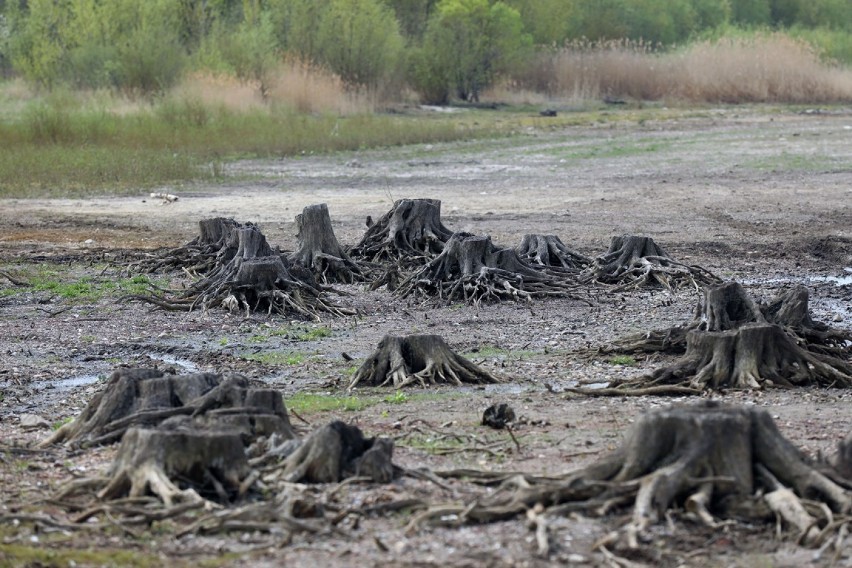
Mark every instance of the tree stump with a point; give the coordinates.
(199, 255)
(728, 307)
(410, 233)
(178, 465)
(254, 279)
(753, 356)
(634, 261)
(473, 270)
(549, 250)
(147, 397)
(421, 359)
(319, 250)
(334, 452)
(843, 460)
(711, 460)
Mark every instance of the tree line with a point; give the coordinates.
(442, 49)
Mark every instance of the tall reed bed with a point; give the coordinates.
(770, 67)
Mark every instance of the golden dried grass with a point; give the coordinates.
(762, 68)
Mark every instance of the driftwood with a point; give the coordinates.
(712, 461)
(319, 250)
(417, 359)
(471, 269)
(147, 397)
(634, 261)
(409, 234)
(253, 279)
(549, 250)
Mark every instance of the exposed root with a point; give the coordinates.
(417, 359)
(471, 269)
(409, 234)
(634, 261)
(549, 250)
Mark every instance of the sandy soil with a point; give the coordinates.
(764, 198)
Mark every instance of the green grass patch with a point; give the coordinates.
(95, 150)
(65, 284)
(397, 397)
(275, 357)
(623, 360)
(310, 403)
(301, 333)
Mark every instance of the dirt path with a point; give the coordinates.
(763, 198)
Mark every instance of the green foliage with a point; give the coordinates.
(468, 45)
(832, 44)
(413, 16)
(397, 397)
(623, 360)
(750, 13)
(250, 51)
(360, 41)
(311, 403)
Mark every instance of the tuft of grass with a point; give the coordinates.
(397, 397)
(623, 360)
(276, 358)
(311, 403)
(64, 284)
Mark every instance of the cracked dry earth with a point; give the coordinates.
(757, 195)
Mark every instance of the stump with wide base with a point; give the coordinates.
(147, 397)
(213, 246)
(410, 233)
(418, 359)
(178, 464)
(471, 269)
(254, 279)
(709, 461)
(549, 250)
(334, 452)
(319, 250)
(634, 261)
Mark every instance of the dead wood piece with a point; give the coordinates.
(319, 250)
(791, 310)
(702, 456)
(417, 359)
(497, 416)
(549, 250)
(471, 269)
(178, 465)
(148, 397)
(334, 452)
(410, 233)
(634, 261)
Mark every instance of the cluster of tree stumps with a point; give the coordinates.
(410, 251)
(734, 342)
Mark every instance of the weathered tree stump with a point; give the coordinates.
(711, 460)
(410, 233)
(198, 256)
(319, 250)
(843, 459)
(147, 397)
(752, 356)
(549, 250)
(254, 279)
(634, 261)
(334, 452)
(178, 465)
(421, 359)
(473, 270)
(728, 307)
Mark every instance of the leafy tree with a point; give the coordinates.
(413, 16)
(359, 40)
(750, 12)
(710, 14)
(548, 21)
(468, 44)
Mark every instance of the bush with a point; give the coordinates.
(149, 62)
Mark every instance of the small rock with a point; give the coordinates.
(33, 422)
(837, 318)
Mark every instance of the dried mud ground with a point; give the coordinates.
(760, 195)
